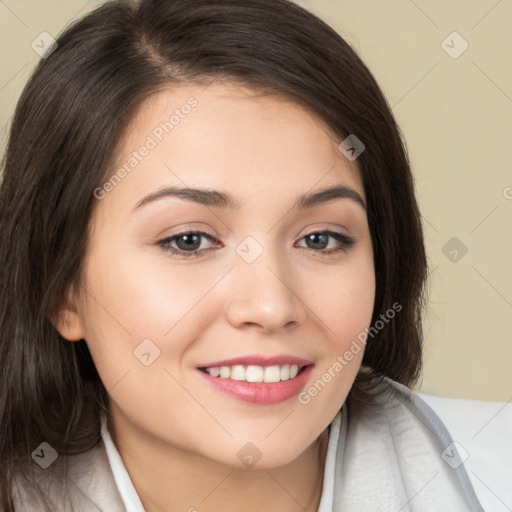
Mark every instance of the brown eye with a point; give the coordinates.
(190, 242)
(320, 241)
(185, 244)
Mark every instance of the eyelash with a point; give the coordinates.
(346, 242)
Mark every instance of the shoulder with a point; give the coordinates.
(82, 482)
(396, 452)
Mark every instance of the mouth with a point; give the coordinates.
(259, 380)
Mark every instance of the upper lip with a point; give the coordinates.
(255, 360)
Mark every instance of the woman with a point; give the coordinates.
(212, 274)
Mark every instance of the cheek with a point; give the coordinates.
(347, 299)
(147, 295)
(139, 320)
(130, 301)
(346, 310)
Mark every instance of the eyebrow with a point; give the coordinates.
(328, 194)
(217, 199)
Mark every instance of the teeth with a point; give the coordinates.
(254, 373)
(214, 371)
(238, 372)
(272, 374)
(224, 372)
(294, 369)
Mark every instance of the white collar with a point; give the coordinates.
(124, 484)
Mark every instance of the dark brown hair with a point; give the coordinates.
(68, 123)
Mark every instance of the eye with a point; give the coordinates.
(188, 243)
(319, 241)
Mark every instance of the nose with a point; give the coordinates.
(264, 296)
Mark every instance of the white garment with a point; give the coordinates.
(132, 501)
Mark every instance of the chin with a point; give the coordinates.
(262, 455)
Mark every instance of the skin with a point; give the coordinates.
(178, 436)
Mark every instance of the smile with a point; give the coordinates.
(255, 373)
(269, 382)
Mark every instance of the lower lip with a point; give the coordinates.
(260, 392)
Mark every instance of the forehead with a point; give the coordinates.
(229, 137)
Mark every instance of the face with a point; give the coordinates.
(210, 315)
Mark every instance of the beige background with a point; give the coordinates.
(456, 115)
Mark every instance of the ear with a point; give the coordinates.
(68, 320)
